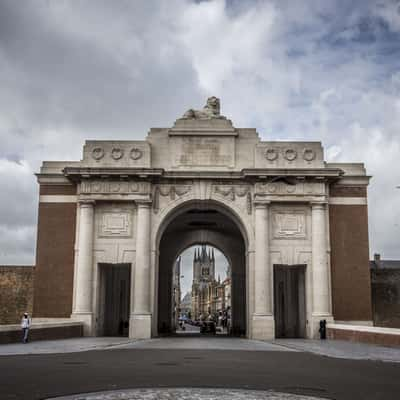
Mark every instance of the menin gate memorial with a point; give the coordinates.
(293, 227)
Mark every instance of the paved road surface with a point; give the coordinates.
(151, 364)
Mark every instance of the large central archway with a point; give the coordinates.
(210, 223)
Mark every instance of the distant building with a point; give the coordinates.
(208, 294)
(176, 290)
(186, 304)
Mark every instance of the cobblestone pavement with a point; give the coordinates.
(187, 394)
(342, 349)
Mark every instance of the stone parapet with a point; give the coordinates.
(365, 334)
(42, 330)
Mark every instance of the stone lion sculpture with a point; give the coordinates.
(210, 110)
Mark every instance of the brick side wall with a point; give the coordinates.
(347, 191)
(57, 189)
(386, 297)
(16, 292)
(351, 285)
(55, 260)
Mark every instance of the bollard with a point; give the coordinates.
(322, 329)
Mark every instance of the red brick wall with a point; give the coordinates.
(16, 292)
(351, 284)
(57, 189)
(348, 191)
(55, 256)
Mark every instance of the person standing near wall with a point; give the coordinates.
(25, 325)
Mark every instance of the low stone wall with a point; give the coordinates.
(365, 334)
(42, 330)
(16, 292)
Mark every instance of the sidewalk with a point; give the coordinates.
(342, 349)
(329, 348)
(62, 345)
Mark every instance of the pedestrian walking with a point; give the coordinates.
(25, 325)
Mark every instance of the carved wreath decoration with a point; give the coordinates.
(117, 153)
(309, 154)
(98, 153)
(136, 154)
(271, 154)
(290, 154)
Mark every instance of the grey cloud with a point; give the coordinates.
(77, 70)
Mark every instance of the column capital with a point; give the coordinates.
(143, 203)
(261, 204)
(86, 203)
(318, 205)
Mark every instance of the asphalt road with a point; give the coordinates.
(49, 375)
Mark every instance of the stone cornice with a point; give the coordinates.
(354, 180)
(52, 179)
(322, 173)
(77, 173)
(85, 172)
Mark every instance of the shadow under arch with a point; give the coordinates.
(181, 207)
(202, 222)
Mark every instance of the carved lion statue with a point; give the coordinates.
(210, 110)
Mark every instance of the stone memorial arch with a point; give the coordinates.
(293, 227)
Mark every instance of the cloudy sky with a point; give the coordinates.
(295, 70)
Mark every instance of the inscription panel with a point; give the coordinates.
(114, 187)
(289, 225)
(204, 151)
(115, 223)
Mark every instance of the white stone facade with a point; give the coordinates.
(129, 192)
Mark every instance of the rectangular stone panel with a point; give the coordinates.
(202, 151)
(114, 187)
(115, 224)
(282, 188)
(289, 225)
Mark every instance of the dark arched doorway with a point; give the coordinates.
(206, 223)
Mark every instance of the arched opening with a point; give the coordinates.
(201, 292)
(204, 223)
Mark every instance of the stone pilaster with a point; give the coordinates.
(84, 274)
(140, 319)
(263, 320)
(321, 308)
